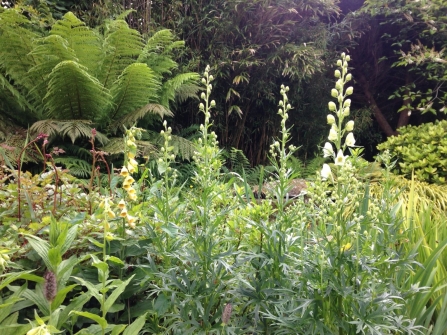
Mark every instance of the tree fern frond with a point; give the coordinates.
(187, 91)
(125, 14)
(77, 167)
(123, 46)
(48, 52)
(16, 38)
(18, 97)
(49, 127)
(174, 85)
(133, 89)
(131, 118)
(75, 129)
(81, 39)
(157, 51)
(182, 147)
(114, 146)
(74, 94)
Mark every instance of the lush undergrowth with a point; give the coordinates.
(356, 254)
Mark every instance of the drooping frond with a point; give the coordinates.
(13, 92)
(74, 129)
(74, 94)
(186, 81)
(123, 46)
(157, 51)
(81, 39)
(134, 88)
(131, 118)
(115, 146)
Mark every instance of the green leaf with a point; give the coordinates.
(136, 326)
(75, 304)
(118, 329)
(55, 257)
(42, 248)
(60, 296)
(67, 242)
(10, 277)
(99, 320)
(115, 294)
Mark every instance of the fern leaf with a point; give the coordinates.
(131, 118)
(81, 39)
(74, 94)
(134, 89)
(182, 146)
(123, 45)
(75, 129)
(77, 167)
(49, 127)
(174, 85)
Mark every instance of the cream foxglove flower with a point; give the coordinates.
(326, 172)
(330, 119)
(328, 151)
(350, 140)
(340, 159)
(124, 172)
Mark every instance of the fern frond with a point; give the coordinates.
(75, 129)
(157, 51)
(77, 167)
(131, 118)
(74, 94)
(114, 146)
(172, 86)
(49, 127)
(133, 89)
(123, 45)
(19, 98)
(84, 41)
(182, 147)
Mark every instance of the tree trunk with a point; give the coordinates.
(380, 118)
(404, 116)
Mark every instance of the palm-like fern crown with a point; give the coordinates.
(77, 73)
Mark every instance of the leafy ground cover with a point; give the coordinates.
(359, 254)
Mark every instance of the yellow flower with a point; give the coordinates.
(122, 204)
(131, 221)
(110, 214)
(130, 155)
(131, 191)
(345, 247)
(129, 180)
(127, 187)
(110, 236)
(133, 197)
(123, 213)
(124, 172)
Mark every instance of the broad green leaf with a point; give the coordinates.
(55, 257)
(60, 296)
(65, 269)
(91, 288)
(136, 326)
(99, 320)
(71, 235)
(75, 304)
(118, 329)
(42, 248)
(115, 294)
(26, 275)
(38, 299)
(115, 260)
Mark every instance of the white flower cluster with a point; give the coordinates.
(335, 120)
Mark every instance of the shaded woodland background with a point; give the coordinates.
(254, 46)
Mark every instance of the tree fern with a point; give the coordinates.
(122, 46)
(77, 167)
(133, 89)
(74, 94)
(84, 41)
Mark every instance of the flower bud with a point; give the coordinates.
(334, 93)
(211, 77)
(348, 77)
(330, 119)
(347, 103)
(203, 96)
(337, 74)
(213, 103)
(339, 63)
(201, 106)
(348, 58)
(332, 106)
(349, 126)
(346, 111)
(203, 81)
(349, 90)
(333, 135)
(339, 84)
